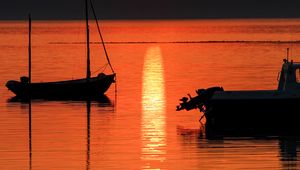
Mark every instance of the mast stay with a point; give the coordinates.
(101, 37)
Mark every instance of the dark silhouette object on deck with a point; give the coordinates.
(81, 88)
(199, 101)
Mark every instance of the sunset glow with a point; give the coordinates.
(153, 108)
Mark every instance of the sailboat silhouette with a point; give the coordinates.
(79, 88)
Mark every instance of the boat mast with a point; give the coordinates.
(287, 54)
(29, 81)
(29, 50)
(88, 70)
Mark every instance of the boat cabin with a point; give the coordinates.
(289, 79)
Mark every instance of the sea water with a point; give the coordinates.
(157, 62)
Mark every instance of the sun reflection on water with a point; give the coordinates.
(153, 109)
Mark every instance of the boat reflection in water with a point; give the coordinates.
(101, 100)
(288, 151)
(30, 134)
(31, 148)
(258, 148)
(153, 110)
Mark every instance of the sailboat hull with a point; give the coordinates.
(80, 88)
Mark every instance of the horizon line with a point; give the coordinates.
(137, 19)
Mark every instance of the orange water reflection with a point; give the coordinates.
(153, 109)
(141, 133)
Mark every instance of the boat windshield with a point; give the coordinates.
(297, 72)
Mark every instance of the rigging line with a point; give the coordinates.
(116, 93)
(103, 68)
(103, 44)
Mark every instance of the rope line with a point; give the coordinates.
(103, 68)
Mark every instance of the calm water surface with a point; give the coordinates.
(139, 128)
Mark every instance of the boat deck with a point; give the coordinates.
(253, 94)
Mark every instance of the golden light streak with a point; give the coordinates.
(153, 108)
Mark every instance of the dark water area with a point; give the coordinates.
(157, 62)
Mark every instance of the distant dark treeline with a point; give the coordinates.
(150, 9)
(187, 42)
